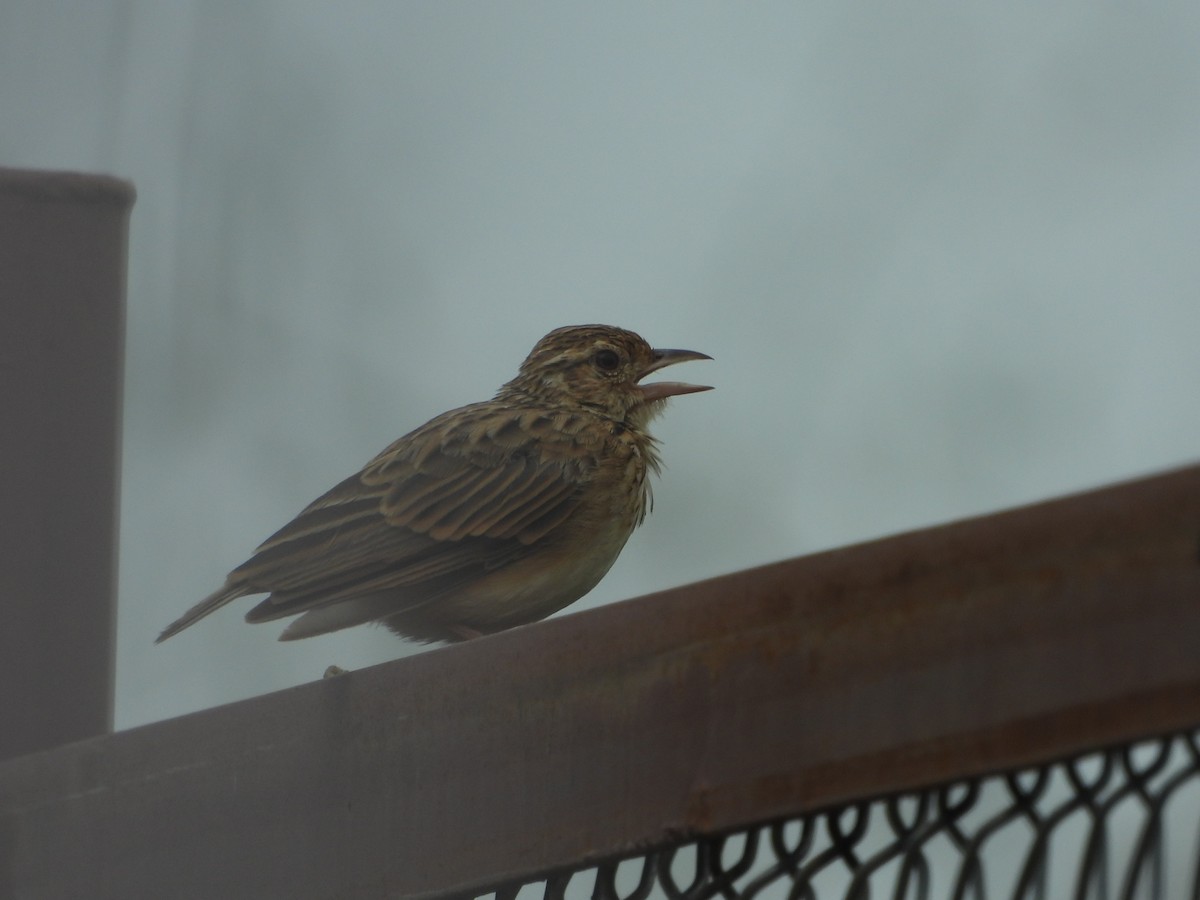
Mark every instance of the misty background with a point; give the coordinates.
(944, 256)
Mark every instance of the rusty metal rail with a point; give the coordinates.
(949, 653)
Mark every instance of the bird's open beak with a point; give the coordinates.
(660, 390)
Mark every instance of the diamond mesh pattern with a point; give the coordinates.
(1122, 823)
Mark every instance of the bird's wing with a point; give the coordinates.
(435, 510)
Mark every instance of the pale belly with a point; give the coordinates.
(534, 588)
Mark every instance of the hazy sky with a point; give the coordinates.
(944, 255)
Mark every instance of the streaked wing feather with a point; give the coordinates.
(431, 513)
(477, 488)
(453, 498)
(486, 491)
(419, 490)
(508, 519)
(344, 504)
(451, 568)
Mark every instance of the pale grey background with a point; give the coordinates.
(945, 255)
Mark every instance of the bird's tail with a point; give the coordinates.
(209, 604)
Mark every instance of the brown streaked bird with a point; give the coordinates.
(486, 517)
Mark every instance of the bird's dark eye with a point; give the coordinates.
(607, 360)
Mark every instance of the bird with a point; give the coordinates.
(489, 516)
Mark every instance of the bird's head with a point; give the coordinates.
(601, 367)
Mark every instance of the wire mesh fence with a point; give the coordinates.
(1117, 823)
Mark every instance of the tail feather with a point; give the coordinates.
(343, 614)
(209, 604)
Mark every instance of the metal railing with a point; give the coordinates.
(815, 728)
